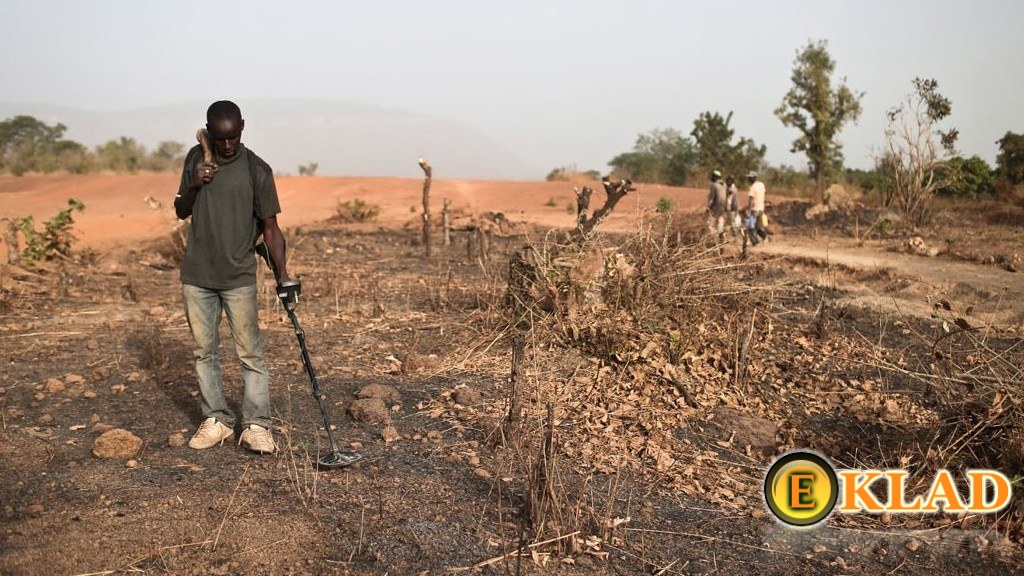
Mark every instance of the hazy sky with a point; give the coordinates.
(555, 82)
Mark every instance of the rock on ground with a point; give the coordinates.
(386, 394)
(752, 431)
(369, 410)
(467, 396)
(116, 443)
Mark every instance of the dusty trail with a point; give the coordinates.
(904, 281)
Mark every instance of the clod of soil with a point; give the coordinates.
(387, 394)
(417, 363)
(467, 396)
(54, 385)
(752, 431)
(390, 434)
(369, 410)
(116, 443)
(176, 440)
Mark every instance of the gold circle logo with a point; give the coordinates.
(801, 488)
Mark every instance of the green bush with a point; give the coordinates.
(967, 178)
(356, 210)
(55, 239)
(664, 205)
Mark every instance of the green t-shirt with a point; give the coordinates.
(219, 255)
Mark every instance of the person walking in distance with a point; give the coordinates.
(716, 205)
(733, 207)
(230, 201)
(755, 207)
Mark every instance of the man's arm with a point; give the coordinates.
(274, 240)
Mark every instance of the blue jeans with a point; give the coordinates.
(203, 311)
(757, 233)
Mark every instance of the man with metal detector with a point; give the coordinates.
(229, 193)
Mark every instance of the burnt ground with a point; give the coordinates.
(106, 343)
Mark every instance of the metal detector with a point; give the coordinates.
(289, 292)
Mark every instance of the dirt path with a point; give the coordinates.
(889, 279)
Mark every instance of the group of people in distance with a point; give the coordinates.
(723, 209)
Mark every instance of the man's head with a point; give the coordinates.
(716, 175)
(729, 181)
(751, 176)
(224, 123)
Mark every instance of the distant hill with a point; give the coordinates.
(344, 138)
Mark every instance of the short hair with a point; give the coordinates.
(223, 110)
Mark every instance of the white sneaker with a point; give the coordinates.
(210, 433)
(258, 439)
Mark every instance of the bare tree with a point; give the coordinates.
(914, 150)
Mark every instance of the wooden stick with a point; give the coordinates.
(490, 561)
(204, 140)
(427, 176)
(446, 221)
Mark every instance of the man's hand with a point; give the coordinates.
(288, 291)
(204, 173)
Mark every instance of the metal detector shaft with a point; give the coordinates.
(300, 335)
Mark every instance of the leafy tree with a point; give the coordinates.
(866, 180)
(567, 173)
(308, 169)
(28, 144)
(966, 177)
(1010, 160)
(916, 150)
(662, 156)
(818, 110)
(122, 155)
(168, 155)
(714, 137)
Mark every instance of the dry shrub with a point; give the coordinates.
(356, 210)
(663, 313)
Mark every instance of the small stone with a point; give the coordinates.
(886, 517)
(101, 427)
(73, 379)
(54, 385)
(92, 344)
(355, 446)
(176, 440)
(116, 443)
(118, 388)
(757, 514)
(134, 377)
(39, 396)
(390, 434)
(474, 461)
(46, 419)
(913, 544)
(157, 311)
(94, 418)
(818, 549)
(482, 473)
(88, 394)
(434, 436)
(131, 463)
